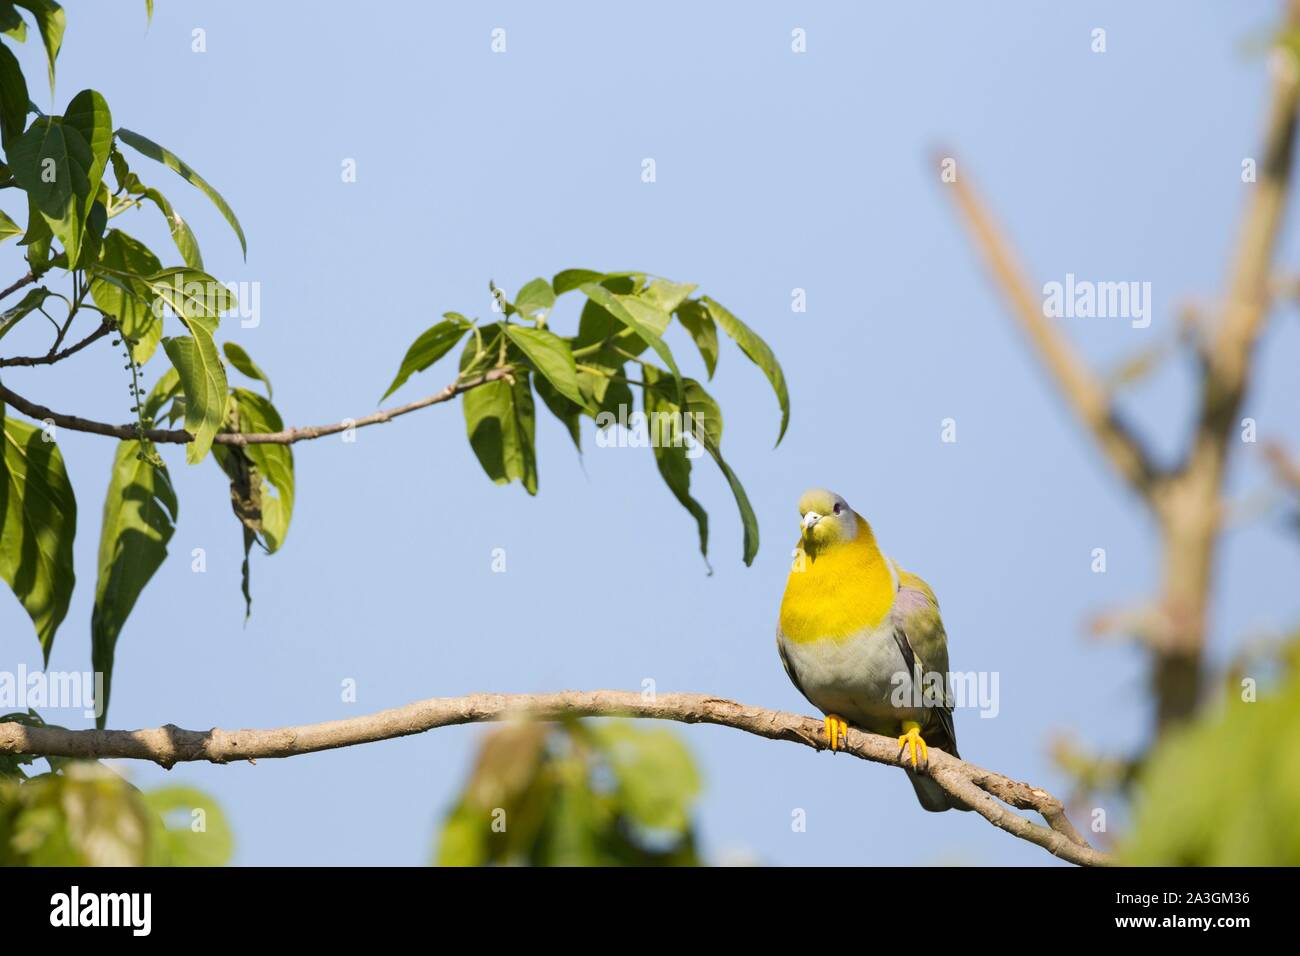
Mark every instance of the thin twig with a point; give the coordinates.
(105, 327)
(24, 281)
(289, 436)
(169, 745)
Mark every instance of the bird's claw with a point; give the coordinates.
(836, 730)
(910, 742)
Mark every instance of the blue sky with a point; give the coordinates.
(775, 171)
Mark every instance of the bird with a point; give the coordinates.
(863, 641)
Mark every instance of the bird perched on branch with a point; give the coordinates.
(862, 640)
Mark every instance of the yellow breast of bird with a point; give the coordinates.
(842, 593)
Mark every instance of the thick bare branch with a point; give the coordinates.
(170, 745)
(1082, 389)
(178, 436)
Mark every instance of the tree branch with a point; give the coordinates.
(56, 356)
(290, 436)
(1082, 389)
(169, 745)
(24, 281)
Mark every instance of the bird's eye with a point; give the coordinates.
(837, 507)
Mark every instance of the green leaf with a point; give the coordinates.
(272, 464)
(148, 11)
(499, 418)
(571, 279)
(13, 97)
(38, 521)
(569, 414)
(638, 317)
(655, 778)
(190, 828)
(25, 307)
(163, 395)
(85, 815)
(140, 512)
(37, 239)
(203, 380)
(550, 356)
(193, 295)
(240, 359)
(1222, 790)
(666, 296)
(8, 227)
(123, 290)
(51, 22)
(432, 345)
(60, 162)
(747, 518)
(758, 352)
(695, 319)
(670, 450)
(535, 299)
(11, 22)
(186, 242)
(173, 162)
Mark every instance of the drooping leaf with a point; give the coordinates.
(38, 521)
(51, 22)
(60, 162)
(695, 319)
(748, 519)
(272, 467)
(140, 513)
(13, 97)
(551, 356)
(758, 352)
(37, 239)
(123, 290)
(240, 359)
(499, 417)
(664, 416)
(173, 162)
(569, 413)
(203, 379)
(431, 345)
(186, 242)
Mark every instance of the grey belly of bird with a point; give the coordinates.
(862, 679)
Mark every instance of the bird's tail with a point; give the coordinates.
(932, 796)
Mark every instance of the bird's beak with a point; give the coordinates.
(810, 519)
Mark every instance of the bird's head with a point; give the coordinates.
(826, 520)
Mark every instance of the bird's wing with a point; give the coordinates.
(918, 629)
(789, 671)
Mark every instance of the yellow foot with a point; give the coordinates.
(836, 730)
(911, 741)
